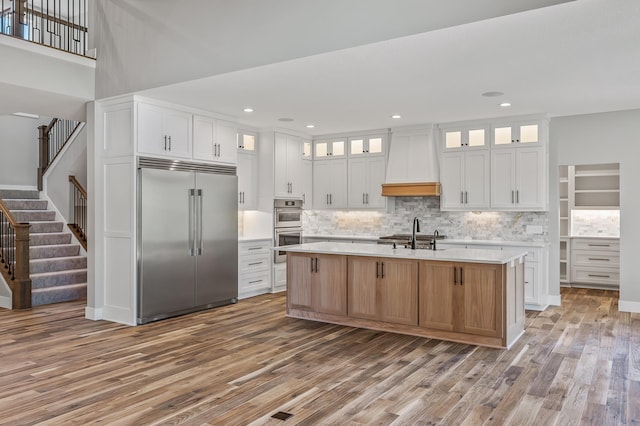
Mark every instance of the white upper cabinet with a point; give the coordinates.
(526, 133)
(465, 180)
(330, 148)
(307, 146)
(247, 181)
(214, 140)
(473, 137)
(247, 141)
(288, 166)
(163, 131)
(366, 176)
(307, 184)
(518, 179)
(330, 184)
(366, 145)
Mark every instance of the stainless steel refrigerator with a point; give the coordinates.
(187, 238)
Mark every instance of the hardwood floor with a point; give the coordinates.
(240, 364)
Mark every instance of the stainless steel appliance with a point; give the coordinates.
(287, 216)
(287, 213)
(404, 240)
(187, 237)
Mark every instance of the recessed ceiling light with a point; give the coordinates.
(248, 109)
(285, 119)
(505, 104)
(396, 116)
(310, 126)
(492, 94)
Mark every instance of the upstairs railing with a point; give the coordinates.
(53, 138)
(61, 24)
(78, 211)
(14, 257)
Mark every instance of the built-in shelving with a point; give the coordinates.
(565, 268)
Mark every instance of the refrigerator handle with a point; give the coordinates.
(199, 222)
(192, 221)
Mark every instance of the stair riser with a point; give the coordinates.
(57, 295)
(26, 204)
(44, 252)
(49, 239)
(31, 216)
(48, 281)
(18, 194)
(52, 265)
(45, 227)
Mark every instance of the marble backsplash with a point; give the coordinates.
(508, 226)
(599, 223)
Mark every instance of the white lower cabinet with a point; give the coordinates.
(279, 277)
(254, 272)
(595, 262)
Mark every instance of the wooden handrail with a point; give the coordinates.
(52, 139)
(14, 255)
(78, 185)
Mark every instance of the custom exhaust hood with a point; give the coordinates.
(413, 169)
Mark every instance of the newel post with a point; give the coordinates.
(21, 284)
(43, 138)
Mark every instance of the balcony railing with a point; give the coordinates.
(61, 24)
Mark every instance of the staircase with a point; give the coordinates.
(58, 271)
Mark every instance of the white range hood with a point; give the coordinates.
(413, 169)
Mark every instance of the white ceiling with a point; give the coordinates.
(573, 58)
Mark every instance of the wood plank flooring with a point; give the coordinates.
(241, 364)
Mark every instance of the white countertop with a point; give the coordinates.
(254, 238)
(594, 237)
(495, 242)
(343, 237)
(381, 250)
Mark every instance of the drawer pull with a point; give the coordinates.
(597, 258)
(599, 276)
(254, 248)
(255, 281)
(255, 263)
(599, 245)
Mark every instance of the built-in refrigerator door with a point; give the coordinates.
(217, 262)
(166, 266)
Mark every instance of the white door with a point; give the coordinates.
(530, 180)
(358, 182)
(476, 192)
(151, 136)
(307, 184)
(375, 178)
(227, 140)
(321, 184)
(294, 166)
(281, 183)
(247, 194)
(204, 136)
(177, 127)
(452, 181)
(339, 191)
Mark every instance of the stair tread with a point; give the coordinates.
(54, 273)
(58, 287)
(49, 259)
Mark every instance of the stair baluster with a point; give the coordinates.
(14, 256)
(79, 211)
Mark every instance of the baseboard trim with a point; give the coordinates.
(93, 313)
(6, 302)
(19, 187)
(554, 300)
(628, 306)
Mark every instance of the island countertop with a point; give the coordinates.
(381, 250)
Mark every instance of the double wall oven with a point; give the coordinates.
(287, 225)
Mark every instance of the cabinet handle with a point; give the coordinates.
(327, 196)
(517, 196)
(455, 276)
(255, 263)
(169, 143)
(461, 277)
(316, 264)
(597, 258)
(304, 199)
(330, 198)
(382, 268)
(599, 276)
(165, 142)
(461, 197)
(599, 245)
(255, 281)
(377, 269)
(363, 202)
(512, 197)
(311, 258)
(254, 248)
(367, 198)
(466, 197)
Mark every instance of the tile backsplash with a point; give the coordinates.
(600, 223)
(508, 226)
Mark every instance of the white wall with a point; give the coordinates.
(612, 137)
(19, 145)
(71, 161)
(167, 41)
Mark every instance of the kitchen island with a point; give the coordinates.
(471, 296)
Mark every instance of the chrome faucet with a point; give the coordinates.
(416, 228)
(435, 237)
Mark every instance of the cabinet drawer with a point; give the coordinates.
(253, 263)
(595, 258)
(254, 247)
(595, 244)
(595, 275)
(254, 282)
